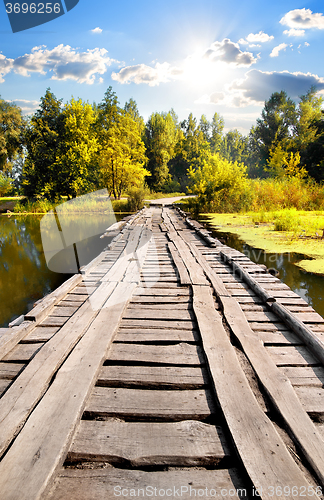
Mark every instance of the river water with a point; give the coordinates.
(308, 285)
(25, 274)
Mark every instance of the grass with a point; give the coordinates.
(281, 231)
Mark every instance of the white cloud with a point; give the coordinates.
(5, 66)
(276, 50)
(152, 76)
(257, 86)
(252, 38)
(303, 18)
(229, 53)
(96, 31)
(65, 63)
(294, 32)
(27, 107)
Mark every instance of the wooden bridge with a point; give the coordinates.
(172, 366)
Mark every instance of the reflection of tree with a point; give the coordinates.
(24, 276)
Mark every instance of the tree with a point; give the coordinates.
(219, 184)
(217, 127)
(122, 158)
(43, 140)
(12, 127)
(276, 125)
(234, 147)
(160, 140)
(76, 159)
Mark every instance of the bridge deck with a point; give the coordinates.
(173, 366)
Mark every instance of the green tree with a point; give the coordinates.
(234, 147)
(276, 125)
(122, 161)
(43, 140)
(219, 184)
(217, 127)
(160, 141)
(76, 160)
(12, 127)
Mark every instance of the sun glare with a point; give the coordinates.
(199, 70)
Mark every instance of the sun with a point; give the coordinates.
(200, 71)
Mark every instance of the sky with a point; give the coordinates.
(199, 56)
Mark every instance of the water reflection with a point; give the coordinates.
(309, 286)
(24, 275)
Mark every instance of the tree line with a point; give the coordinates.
(71, 149)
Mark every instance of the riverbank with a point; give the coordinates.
(258, 230)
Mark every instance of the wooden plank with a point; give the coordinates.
(156, 291)
(55, 321)
(157, 336)
(151, 323)
(186, 443)
(262, 317)
(23, 352)
(283, 337)
(157, 306)
(74, 297)
(179, 354)
(255, 439)
(26, 391)
(10, 370)
(150, 404)
(61, 408)
(294, 355)
(195, 271)
(43, 308)
(160, 314)
(312, 399)
(41, 334)
(63, 310)
(183, 273)
(4, 383)
(166, 377)
(108, 483)
(175, 300)
(305, 375)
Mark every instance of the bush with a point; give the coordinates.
(136, 197)
(6, 185)
(287, 220)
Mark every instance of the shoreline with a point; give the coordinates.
(263, 236)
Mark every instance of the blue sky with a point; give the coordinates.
(193, 56)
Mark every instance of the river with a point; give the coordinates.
(308, 285)
(24, 274)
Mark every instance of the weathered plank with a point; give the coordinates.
(10, 370)
(167, 377)
(41, 334)
(294, 355)
(150, 404)
(107, 483)
(305, 375)
(154, 323)
(186, 443)
(179, 354)
(148, 336)
(312, 399)
(23, 352)
(20, 475)
(24, 393)
(183, 272)
(283, 337)
(158, 314)
(261, 449)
